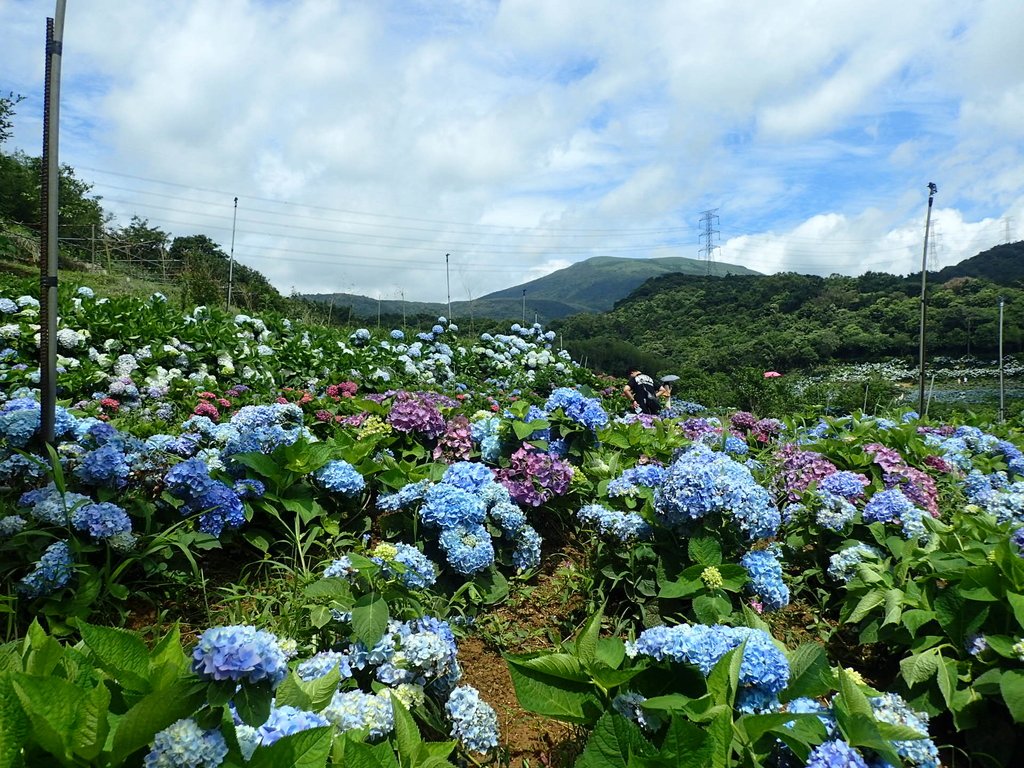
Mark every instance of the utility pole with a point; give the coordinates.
(448, 280)
(231, 258)
(50, 205)
(708, 220)
(1001, 410)
(524, 307)
(932, 189)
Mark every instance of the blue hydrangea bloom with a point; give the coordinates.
(322, 663)
(284, 721)
(468, 547)
(249, 488)
(526, 555)
(185, 745)
(849, 485)
(645, 476)
(52, 572)
(624, 526)
(765, 574)
(586, 411)
(920, 753)
(189, 478)
(355, 710)
(702, 482)
(447, 506)
(419, 572)
(11, 525)
(341, 477)
(835, 512)
(101, 520)
(218, 507)
(241, 653)
(835, 754)
(630, 705)
(842, 566)
(474, 721)
(468, 475)
(105, 466)
(19, 420)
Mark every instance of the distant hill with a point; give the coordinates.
(1003, 265)
(593, 285)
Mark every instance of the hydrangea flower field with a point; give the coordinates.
(261, 543)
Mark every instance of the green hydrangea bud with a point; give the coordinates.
(711, 577)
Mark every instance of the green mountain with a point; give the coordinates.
(593, 285)
(787, 321)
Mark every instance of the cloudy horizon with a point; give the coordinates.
(365, 140)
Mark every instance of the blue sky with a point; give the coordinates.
(365, 140)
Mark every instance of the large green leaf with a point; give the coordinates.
(52, 707)
(920, 667)
(705, 550)
(306, 749)
(370, 618)
(614, 740)
(14, 724)
(92, 723)
(555, 696)
(809, 673)
(119, 653)
(866, 605)
(41, 652)
(1011, 685)
(586, 640)
(152, 714)
(564, 666)
(686, 744)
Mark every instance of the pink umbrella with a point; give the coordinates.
(772, 374)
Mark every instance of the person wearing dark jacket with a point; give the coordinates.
(640, 392)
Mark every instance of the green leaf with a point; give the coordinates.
(119, 653)
(586, 640)
(370, 618)
(252, 702)
(610, 651)
(52, 707)
(866, 605)
(916, 618)
(329, 589)
(1016, 602)
(614, 740)
(41, 652)
(151, 714)
(92, 725)
(685, 744)
(1011, 685)
(306, 749)
(893, 606)
(809, 673)
(711, 609)
(920, 667)
(14, 724)
(946, 677)
(407, 734)
(493, 586)
(559, 665)
(557, 697)
(705, 550)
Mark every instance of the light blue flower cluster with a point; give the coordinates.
(241, 653)
(418, 652)
(920, 753)
(419, 572)
(842, 566)
(586, 411)
(321, 664)
(702, 482)
(405, 496)
(185, 745)
(995, 494)
(11, 525)
(355, 710)
(765, 574)
(52, 572)
(849, 485)
(735, 446)
(624, 526)
(891, 506)
(102, 520)
(764, 668)
(835, 754)
(486, 433)
(474, 721)
(642, 476)
(338, 476)
(49, 505)
(283, 721)
(471, 476)
(834, 512)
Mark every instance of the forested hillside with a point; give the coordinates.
(788, 321)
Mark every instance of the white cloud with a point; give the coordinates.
(365, 140)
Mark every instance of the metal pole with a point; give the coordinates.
(448, 280)
(932, 189)
(231, 258)
(524, 306)
(51, 207)
(1002, 412)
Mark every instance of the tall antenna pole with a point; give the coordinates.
(49, 202)
(932, 189)
(707, 220)
(448, 280)
(524, 306)
(1001, 411)
(231, 258)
